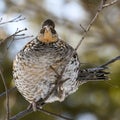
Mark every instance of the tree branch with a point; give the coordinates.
(21, 114)
(110, 61)
(89, 25)
(109, 4)
(8, 90)
(28, 111)
(7, 95)
(17, 19)
(100, 8)
(14, 35)
(54, 114)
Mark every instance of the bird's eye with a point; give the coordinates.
(42, 31)
(53, 31)
(48, 22)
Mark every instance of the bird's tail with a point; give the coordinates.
(97, 73)
(93, 74)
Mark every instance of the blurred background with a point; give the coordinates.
(93, 100)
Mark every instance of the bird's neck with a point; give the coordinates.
(47, 38)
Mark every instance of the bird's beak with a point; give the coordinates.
(47, 28)
(47, 34)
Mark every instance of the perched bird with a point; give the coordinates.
(48, 69)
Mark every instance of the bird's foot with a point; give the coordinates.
(34, 106)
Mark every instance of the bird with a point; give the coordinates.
(48, 69)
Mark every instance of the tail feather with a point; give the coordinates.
(97, 73)
(93, 74)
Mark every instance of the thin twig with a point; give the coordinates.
(89, 25)
(7, 95)
(28, 111)
(13, 35)
(54, 114)
(100, 8)
(109, 4)
(84, 30)
(8, 90)
(21, 114)
(14, 39)
(24, 37)
(111, 61)
(17, 19)
(55, 71)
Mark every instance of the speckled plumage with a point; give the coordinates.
(32, 71)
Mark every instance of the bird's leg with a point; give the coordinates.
(29, 106)
(34, 106)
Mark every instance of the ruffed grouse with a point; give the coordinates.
(48, 69)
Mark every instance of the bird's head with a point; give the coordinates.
(48, 33)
